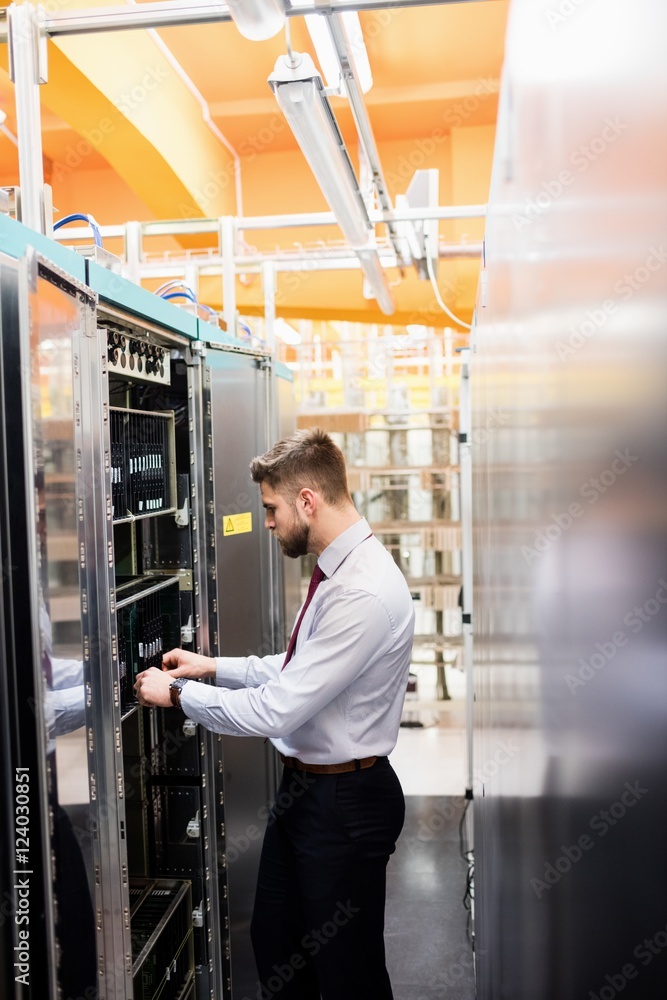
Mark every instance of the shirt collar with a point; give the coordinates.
(342, 545)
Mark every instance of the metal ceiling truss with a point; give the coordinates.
(225, 260)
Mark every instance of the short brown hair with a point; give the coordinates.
(308, 458)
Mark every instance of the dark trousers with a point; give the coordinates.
(318, 922)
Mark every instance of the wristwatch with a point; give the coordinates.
(175, 689)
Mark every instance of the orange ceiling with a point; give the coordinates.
(433, 103)
(424, 60)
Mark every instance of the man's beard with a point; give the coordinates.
(296, 543)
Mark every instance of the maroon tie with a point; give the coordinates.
(315, 581)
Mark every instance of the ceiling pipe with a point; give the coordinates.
(186, 227)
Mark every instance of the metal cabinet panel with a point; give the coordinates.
(240, 397)
(17, 239)
(116, 290)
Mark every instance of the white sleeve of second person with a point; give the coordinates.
(69, 710)
(350, 631)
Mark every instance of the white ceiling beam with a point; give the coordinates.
(170, 13)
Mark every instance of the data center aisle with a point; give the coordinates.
(429, 954)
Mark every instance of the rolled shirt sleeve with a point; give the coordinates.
(69, 709)
(247, 671)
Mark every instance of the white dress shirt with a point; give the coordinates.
(65, 697)
(341, 695)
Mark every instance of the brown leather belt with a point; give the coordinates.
(348, 765)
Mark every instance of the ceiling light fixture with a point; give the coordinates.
(300, 94)
(257, 19)
(325, 49)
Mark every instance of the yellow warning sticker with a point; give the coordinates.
(236, 524)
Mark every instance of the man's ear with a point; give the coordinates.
(307, 500)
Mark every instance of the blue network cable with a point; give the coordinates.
(78, 217)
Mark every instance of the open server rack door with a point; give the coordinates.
(8, 734)
(115, 889)
(54, 852)
(166, 775)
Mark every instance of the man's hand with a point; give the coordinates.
(152, 688)
(183, 663)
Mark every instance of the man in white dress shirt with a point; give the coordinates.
(331, 706)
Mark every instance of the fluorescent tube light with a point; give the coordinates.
(358, 51)
(257, 19)
(286, 333)
(301, 97)
(326, 50)
(300, 94)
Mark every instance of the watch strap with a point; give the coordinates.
(175, 689)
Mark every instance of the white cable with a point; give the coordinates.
(443, 305)
(288, 44)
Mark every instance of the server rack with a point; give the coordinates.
(109, 534)
(159, 597)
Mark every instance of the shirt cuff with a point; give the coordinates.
(195, 699)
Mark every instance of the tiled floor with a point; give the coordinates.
(429, 954)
